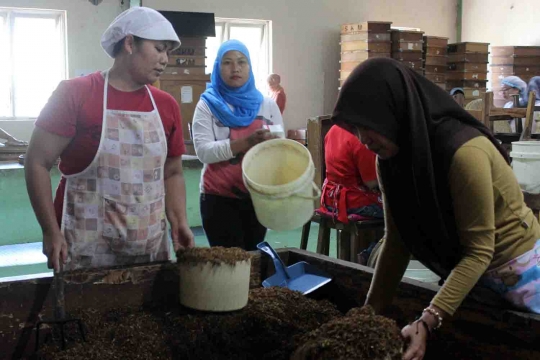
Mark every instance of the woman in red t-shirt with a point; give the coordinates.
(350, 190)
(120, 144)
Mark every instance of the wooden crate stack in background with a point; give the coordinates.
(362, 41)
(435, 59)
(407, 47)
(520, 61)
(467, 68)
(185, 79)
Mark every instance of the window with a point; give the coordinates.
(255, 34)
(32, 59)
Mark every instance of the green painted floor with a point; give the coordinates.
(18, 224)
(276, 239)
(17, 221)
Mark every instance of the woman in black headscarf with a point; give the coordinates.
(450, 197)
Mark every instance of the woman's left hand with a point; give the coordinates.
(416, 336)
(182, 237)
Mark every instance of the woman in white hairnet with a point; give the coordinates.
(513, 85)
(120, 144)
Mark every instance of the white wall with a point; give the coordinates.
(501, 22)
(305, 37)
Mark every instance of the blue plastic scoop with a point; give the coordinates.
(301, 276)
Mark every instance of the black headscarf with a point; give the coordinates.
(428, 126)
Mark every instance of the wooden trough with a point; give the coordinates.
(482, 326)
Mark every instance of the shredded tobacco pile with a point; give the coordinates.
(274, 324)
(116, 334)
(216, 255)
(359, 335)
(265, 329)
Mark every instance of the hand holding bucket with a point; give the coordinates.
(279, 176)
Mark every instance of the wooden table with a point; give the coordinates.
(482, 320)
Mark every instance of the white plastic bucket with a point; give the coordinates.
(217, 288)
(279, 176)
(526, 164)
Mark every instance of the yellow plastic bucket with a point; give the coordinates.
(279, 176)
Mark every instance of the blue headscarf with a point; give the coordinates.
(516, 83)
(534, 85)
(246, 99)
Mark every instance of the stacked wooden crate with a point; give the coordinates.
(407, 47)
(362, 41)
(467, 68)
(435, 59)
(520, 61)
(185, 79)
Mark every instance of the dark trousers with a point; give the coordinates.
(231, 222)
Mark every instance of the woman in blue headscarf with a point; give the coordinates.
(231, 117)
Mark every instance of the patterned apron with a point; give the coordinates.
(114, 210)
(225, 178)
(337, 193)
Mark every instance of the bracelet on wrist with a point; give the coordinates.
(425, 325)
(435, 314)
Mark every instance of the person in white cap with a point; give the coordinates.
(120, 144)
(459, 95)
(510, 86)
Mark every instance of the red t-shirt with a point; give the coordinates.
(349, 164)
(75, 110)
(280, 98)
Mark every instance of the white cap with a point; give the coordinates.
(138, 21)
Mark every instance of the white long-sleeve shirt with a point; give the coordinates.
(212, 139)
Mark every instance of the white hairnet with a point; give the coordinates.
(456, 90)
(138, 21)
(516, 83)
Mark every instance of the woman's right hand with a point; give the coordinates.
(243, 145)
(416, 336)
(259, 136)
(55, 248)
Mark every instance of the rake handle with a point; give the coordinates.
(59, 302)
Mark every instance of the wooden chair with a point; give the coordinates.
(478, 114)
(492, 114)
(495, 114)
(317, 128)
(352, 237)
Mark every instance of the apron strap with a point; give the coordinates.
(105, 93)
(151, 97)
(339, 200)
